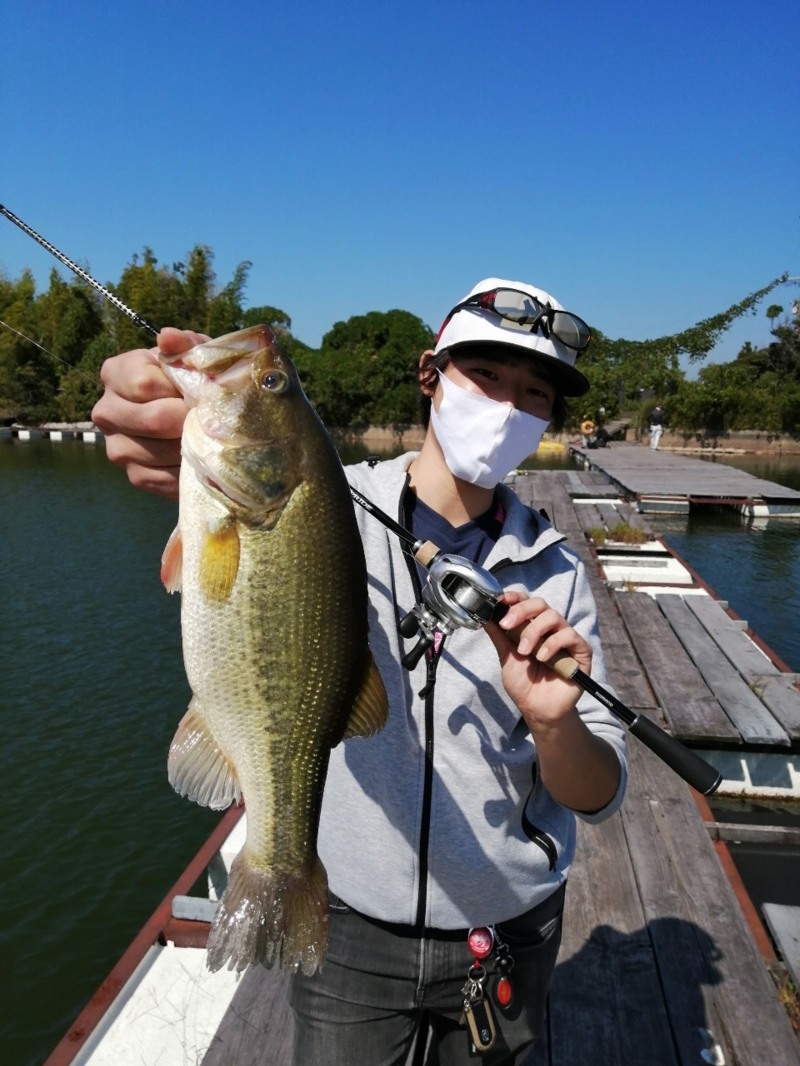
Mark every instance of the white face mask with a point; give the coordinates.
(482, 440)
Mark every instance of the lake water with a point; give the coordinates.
(92, 690)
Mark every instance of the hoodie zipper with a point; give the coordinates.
(431, 662)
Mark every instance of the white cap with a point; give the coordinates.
(475, 325)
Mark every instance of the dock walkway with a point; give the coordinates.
(667, 481)
(664, 961)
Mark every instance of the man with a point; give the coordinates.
(461, 812)
(656, 426)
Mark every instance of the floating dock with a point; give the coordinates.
(661, 481)
(664, 958)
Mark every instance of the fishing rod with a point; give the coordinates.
(460, 594)
(134, 316)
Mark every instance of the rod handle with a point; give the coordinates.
(695, 771)
(562, 664)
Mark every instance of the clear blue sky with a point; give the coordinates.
(638, 161)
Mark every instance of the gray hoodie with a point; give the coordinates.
(440, 820)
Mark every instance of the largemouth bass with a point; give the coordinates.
(270, 566)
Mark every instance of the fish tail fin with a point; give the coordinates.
(271, 916)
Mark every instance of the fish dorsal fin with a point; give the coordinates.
(371, 707)
(172, 562)
(219, 562)
(198, 767)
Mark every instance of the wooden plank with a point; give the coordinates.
(689, 707)
(754, 722)
(736, 832)
(684, 948)
(564, 517)
(606, 974)
(588, 517)
(693, 912)
(784, 924)
(610, 514)
(742, 652)
(774, 688)
(778, 692)
(625, 672)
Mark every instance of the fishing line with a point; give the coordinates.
(461, 594)
(52, 355)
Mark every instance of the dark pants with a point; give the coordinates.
(381, 985)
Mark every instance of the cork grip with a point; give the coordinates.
(562, 664)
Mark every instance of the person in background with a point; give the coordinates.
(656, 426)
(452, 831)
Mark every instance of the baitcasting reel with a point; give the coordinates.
(458, 594)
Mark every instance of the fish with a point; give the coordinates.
(274, 619)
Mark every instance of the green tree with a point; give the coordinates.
(365, 372)
(759, 390)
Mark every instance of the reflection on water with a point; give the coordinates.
(782, 469)
(754, 564)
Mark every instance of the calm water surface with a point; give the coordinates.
(93, 688)
(752, 563)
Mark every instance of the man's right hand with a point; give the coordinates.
(141, 415)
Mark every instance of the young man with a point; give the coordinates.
(461, 812)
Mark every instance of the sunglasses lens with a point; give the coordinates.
(516, 306)
(570, 330)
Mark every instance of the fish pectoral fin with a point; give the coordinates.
(371, 708)
(219, 562)
(172, 562)
(197, 766)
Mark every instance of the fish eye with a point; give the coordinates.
(275, 381)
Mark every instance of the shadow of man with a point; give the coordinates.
(637, 999)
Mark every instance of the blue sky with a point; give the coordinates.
(638, 161)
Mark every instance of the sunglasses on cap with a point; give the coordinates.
(524, 309)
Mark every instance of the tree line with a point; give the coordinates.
(53, 343)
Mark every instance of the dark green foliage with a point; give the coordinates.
(759, 390)
(365, 372)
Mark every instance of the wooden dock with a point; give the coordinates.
(664, 960)
(662, 481)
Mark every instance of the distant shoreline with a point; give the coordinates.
(749, 442)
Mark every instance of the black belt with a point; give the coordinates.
(521, 925)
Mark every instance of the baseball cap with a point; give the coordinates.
(475, 325)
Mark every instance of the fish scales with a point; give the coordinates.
(274, 622)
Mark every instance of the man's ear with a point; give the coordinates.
(426, 374)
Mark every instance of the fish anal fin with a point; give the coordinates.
(219, 562)
(371, 707)
(197, 766)
(172, 562)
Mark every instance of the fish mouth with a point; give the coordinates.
(226, 362)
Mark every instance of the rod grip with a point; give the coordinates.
(695, 771)
(562, 664)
